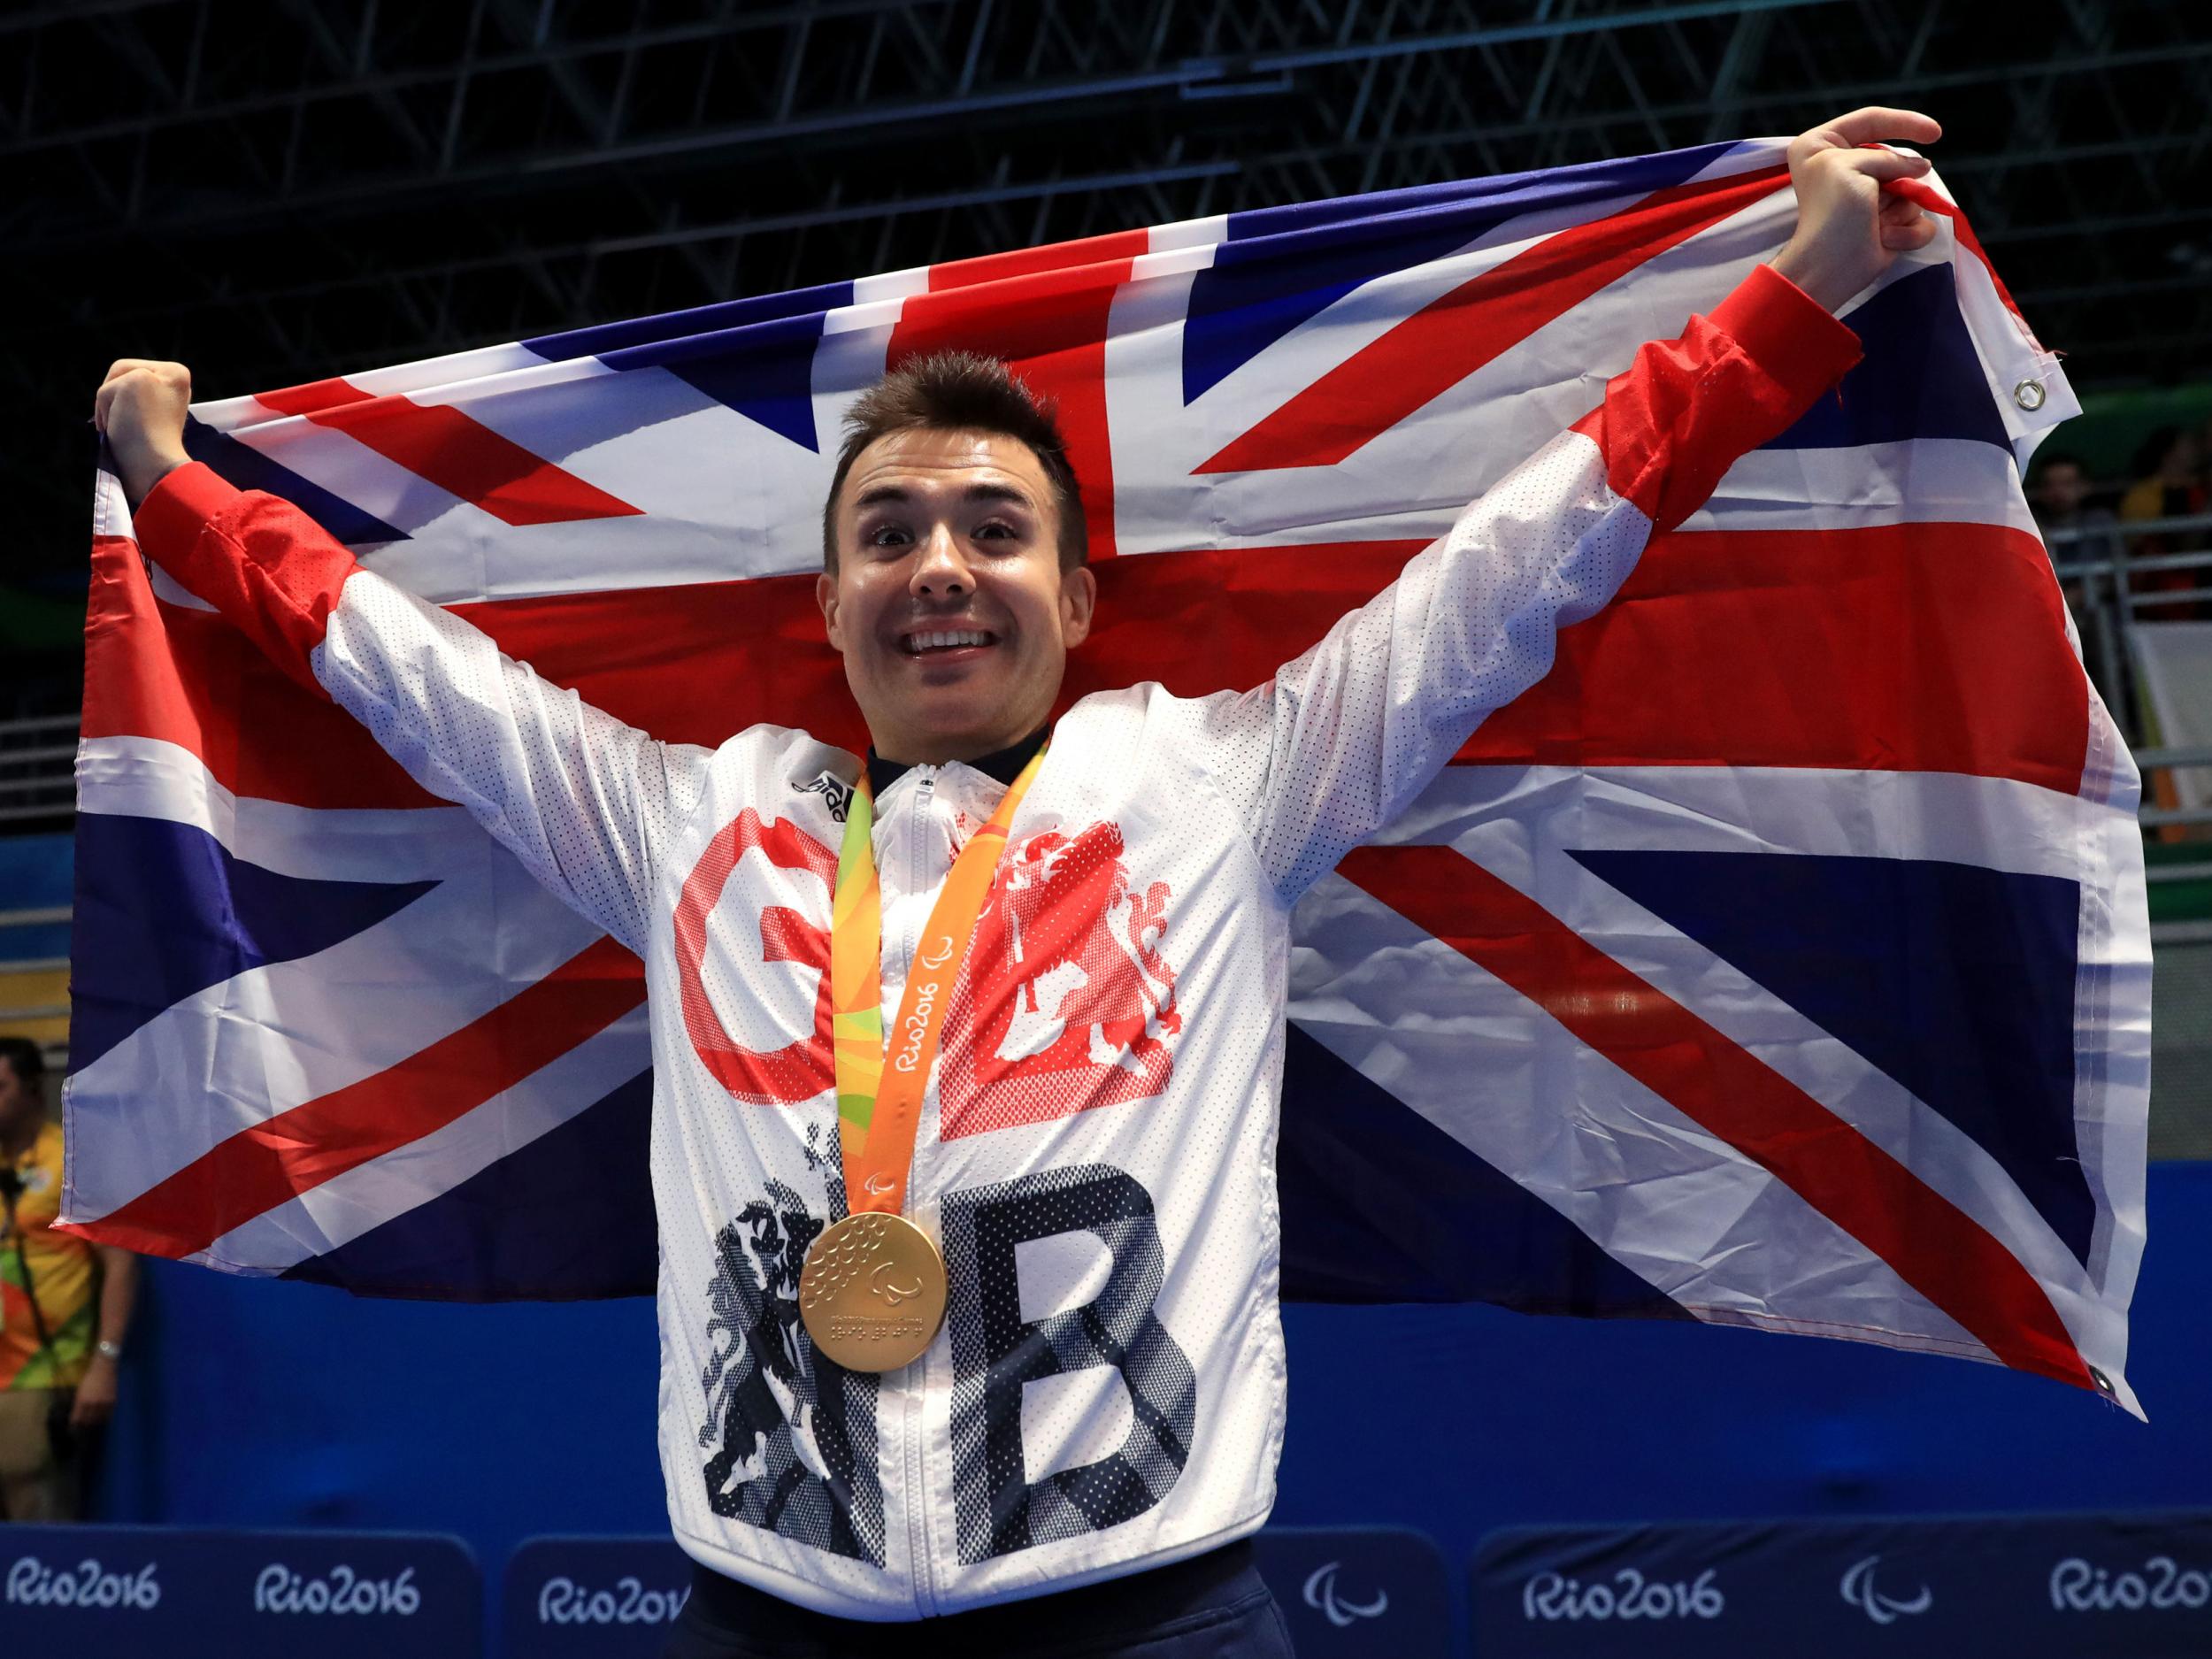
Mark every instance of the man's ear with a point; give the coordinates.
(825, 596)
(1079, 598)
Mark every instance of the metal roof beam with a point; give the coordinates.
(840, 123)
(1145, 75)
(536, 56)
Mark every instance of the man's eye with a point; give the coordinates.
(994, 531)
(889, 535)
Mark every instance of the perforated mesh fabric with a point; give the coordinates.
(1343, 739)
(584, 800)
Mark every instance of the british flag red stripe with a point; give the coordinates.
(1696, 663)
(304, 1146)
(1451, 337)
(1930, 1243)
(460, 455)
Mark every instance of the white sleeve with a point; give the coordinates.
(586, 801)
(1343, 737)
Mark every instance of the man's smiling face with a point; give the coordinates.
(949, 603)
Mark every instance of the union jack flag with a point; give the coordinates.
(1781, 959)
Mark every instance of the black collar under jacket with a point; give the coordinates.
(1005, 765)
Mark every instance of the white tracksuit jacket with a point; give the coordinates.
(1096, 1152)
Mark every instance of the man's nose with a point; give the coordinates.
(940, 568)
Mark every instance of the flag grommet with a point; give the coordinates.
(2028, 395)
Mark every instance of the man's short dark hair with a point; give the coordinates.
(961, 391)
(27, 1058)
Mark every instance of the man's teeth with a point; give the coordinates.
(945, 640)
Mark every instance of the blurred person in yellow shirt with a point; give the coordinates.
(64, 1305)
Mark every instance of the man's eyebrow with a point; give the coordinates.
(899, 496)
(997, 492)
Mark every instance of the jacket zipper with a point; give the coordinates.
(917, 1499)
(915, 1406)
(916, 838)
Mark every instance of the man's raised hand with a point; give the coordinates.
(1847, 230)
(140, 410)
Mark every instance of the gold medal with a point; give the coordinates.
(873, 1292)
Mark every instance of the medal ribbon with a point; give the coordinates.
(880, 1087)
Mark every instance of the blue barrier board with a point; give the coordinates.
(592, 1598)
(125, 1592)
(1360, 1591)
(1355, 1591)
(2121, 1587)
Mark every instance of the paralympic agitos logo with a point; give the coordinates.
(1858, 1589)
(881, 1283)
(1321, 1596)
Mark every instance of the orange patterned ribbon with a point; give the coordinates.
(880, 1089)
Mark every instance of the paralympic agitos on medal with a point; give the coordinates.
(1043, 1347)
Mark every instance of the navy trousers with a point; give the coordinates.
(1214, 1606)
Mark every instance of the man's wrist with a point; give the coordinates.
(141, 475)
(1811, 277)
(107, 1350)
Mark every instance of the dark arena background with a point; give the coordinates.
(278, 191)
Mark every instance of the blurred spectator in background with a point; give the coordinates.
(2059, 494)
(2169, 481)
(2168, 484)
(64, 1305)
(2075, 532)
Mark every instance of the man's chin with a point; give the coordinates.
(960, 739)
(937, 730)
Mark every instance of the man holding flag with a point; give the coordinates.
(968, 1293)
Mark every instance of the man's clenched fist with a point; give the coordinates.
(140, 410)
(1847, 230)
